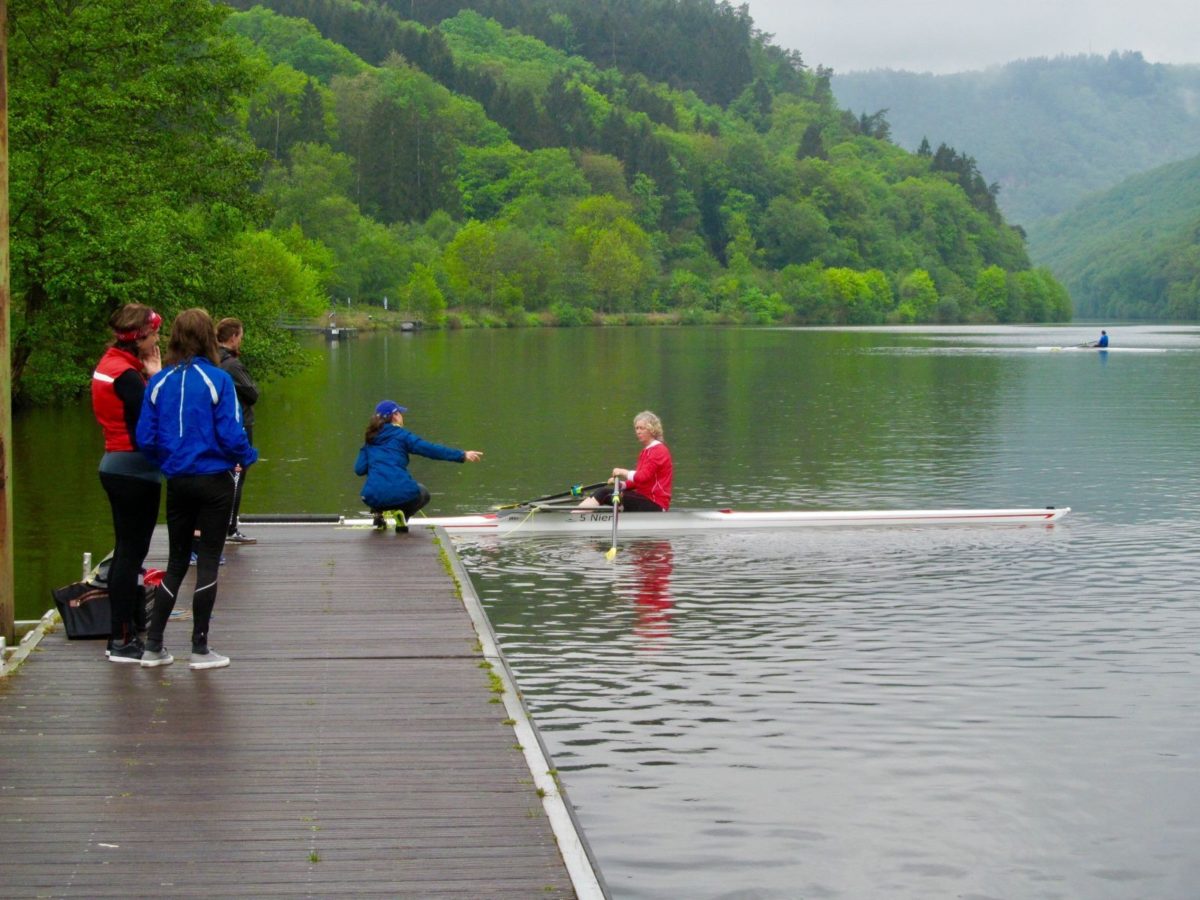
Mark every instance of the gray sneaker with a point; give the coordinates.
(208, 659)
(152, 658)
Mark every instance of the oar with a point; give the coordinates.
(573, 491)
(616, 502)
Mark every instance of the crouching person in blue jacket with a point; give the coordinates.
(384, 460)
(191, 426)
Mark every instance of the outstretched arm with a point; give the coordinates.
(429, 449)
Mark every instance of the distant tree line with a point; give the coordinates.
(268, 162)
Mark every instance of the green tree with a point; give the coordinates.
(855, 298)
(793, 232)
(991, 292)
(918, 297)
(613, 252)
(803, 289)
(614, 269)
(647, 201)
(276, 107)
(274, 281)
(471, 264)
(259, 279)
(424, 297)
(127, 169)
(812, 143)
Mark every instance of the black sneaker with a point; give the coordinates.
(238, 538)
(379, 522)
(130, 652)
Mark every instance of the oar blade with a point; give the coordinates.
(610, 554)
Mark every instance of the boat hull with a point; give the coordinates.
(538, 520)
(1102, 349)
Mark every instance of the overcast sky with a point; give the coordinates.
(960, 35)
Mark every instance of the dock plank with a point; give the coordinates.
(353, 747)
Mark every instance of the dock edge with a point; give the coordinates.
(32, 631)
(577, 855)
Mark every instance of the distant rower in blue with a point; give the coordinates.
(1103, 342)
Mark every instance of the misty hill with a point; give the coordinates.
(1132, 251)
(1047, 131)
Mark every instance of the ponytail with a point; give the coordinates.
(375, 426)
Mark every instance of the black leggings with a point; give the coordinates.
(193, 502)
(631, 501)
(134, 504)
(410, 507)
(237, 491)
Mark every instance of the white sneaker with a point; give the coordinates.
(209, 659)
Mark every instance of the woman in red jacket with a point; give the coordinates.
(132, 482)
(648, 486)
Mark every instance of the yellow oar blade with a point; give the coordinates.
(610, 554)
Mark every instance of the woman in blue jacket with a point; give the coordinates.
(191, 426)
(384, 460)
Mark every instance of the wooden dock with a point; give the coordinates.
(356, 746)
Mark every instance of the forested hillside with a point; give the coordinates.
(1048, 132)
(1132, 252)
(572, 162)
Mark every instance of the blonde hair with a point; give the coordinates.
(651, 421)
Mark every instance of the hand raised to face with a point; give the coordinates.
(151, 355)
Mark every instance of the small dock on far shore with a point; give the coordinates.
(335, 332)
(366, 740)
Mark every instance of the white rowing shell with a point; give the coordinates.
(535, 520)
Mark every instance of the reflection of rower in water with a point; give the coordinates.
(653, 561)
(647, 487)
(1102, 343)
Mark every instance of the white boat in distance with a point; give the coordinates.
(1078, 349)
(557, 519)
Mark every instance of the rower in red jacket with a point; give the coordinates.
(648, 486)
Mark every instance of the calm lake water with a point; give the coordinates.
(992, 712)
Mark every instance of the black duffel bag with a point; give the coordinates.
(85, 607)
(85, 610)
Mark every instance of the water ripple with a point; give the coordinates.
(765, 707)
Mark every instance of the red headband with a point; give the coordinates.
(136, 334)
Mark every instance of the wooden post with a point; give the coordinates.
(7, 592)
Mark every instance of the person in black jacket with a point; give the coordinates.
(229, 340)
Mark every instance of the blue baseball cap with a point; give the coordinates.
(386, 408)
